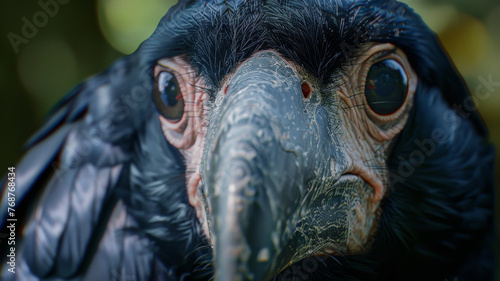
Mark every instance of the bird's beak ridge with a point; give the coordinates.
(256, 172)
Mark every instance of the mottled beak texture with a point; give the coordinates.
(258, 168)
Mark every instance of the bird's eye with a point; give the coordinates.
(168, 97)
(386, 87)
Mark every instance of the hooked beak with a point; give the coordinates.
(272, 184)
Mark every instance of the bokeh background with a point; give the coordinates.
(78, 38)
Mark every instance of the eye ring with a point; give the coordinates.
(390, 56)
(167, 95)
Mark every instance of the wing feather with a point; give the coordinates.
(32, 166)
(121, 254)
(45, 229)
(76, 227)
(87, 199)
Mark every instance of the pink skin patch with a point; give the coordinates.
(187, 134)
(368, 138)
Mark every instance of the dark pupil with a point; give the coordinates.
(386, 87)
(168, 89)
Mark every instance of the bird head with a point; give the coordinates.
(295, 120)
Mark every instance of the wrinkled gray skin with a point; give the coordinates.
(273, 171)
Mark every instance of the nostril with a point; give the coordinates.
(306, 90)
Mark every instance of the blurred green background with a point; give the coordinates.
(72, 39)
